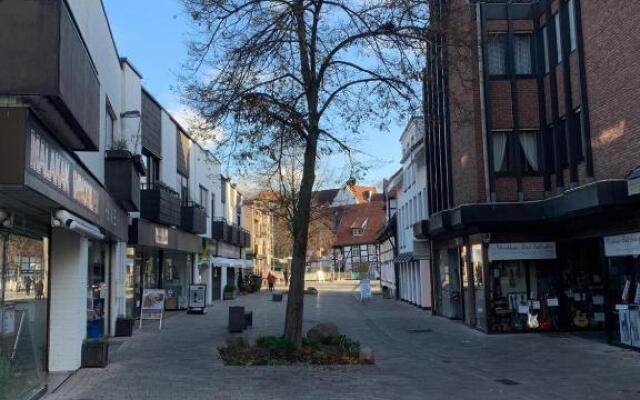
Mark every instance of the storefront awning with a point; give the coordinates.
(231, 262)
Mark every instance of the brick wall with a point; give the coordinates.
(611, 35)
(467, 162)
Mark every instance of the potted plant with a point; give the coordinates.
(229, 292)
(119, 149)
(95, 353)
(124, 326)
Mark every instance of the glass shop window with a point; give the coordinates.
(519, 294)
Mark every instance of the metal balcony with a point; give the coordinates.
(159, 203)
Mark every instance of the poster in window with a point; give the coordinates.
(153, 300)
(634, 327)
(625, 328)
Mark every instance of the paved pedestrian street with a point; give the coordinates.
(417, 357)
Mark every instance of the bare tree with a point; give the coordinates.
(304, 75)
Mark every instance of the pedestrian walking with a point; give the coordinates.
(27, 285)
(286, 277)
(39, 288)
(271, 280)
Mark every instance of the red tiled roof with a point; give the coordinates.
(359, 192)
(377, 197)
(355, 215)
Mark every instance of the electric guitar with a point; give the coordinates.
(532, 321)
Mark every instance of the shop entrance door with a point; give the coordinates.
(216, 283)
(449, 271)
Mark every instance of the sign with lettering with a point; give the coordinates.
(522, 251)
(51, 163)
(622, 245)
(56, 173)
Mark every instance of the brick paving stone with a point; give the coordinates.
(418, 356)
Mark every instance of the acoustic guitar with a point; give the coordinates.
(580, 319)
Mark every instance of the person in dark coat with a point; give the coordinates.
(286, 277)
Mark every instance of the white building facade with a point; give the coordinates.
(413, 262)
(103, 194)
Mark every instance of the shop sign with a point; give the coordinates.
(197, 296)
(228, 251)
(522, 251)
(622, 245)
(162, 236)
(54, 172)
(152, 307)
(48, 161)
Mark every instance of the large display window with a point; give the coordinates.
(523, 296)
(624, 297)
(23, 315)
(582, 296)
(176, 270)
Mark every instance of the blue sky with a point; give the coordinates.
(153, 35)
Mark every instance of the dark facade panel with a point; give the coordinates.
(122, 180)
(193, 219)
(151, 125)
(160, 204)
(46, 63)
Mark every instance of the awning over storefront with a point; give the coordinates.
(231, 262)
(590, 199)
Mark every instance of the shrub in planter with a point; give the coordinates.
(95, 353)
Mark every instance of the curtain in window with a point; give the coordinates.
(529, 143)
(496, 55)
(522, 54)
(499, 149)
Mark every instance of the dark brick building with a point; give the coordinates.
(532, 138)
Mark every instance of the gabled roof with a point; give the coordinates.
(355, 216)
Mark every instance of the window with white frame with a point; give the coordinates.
(204, 198)
(110, 122)
(357, 231)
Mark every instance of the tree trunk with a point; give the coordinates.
(295, 300)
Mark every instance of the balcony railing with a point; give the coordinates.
(229, 233)
(122, 179)
(160, 203)
(193, 218)
(45, 62)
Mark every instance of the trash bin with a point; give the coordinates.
(277, 297)
(236, 319)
